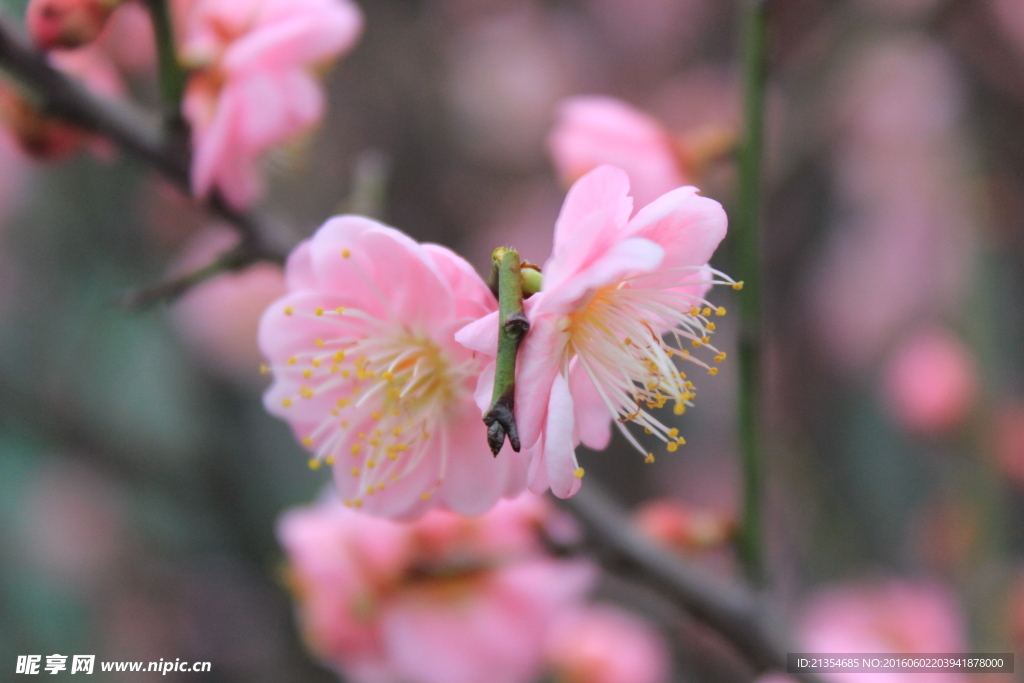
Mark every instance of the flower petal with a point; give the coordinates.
(593, 418)
(559, 449)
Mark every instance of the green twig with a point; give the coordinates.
(172, 76)
(512, 327)
(747, 240)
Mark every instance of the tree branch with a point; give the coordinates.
(135, 131)
(731, 610)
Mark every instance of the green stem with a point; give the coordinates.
(747, 239)
(172, 76)
(512, 327)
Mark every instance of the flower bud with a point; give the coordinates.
(66, 23)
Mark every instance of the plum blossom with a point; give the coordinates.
(369, 376)
(67, 23)
(621, 299)
(886, 616)
(605, 644)
(444, 599)
(595, 130)
(253, 86)
(683, 527)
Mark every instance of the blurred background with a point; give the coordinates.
(140, 478)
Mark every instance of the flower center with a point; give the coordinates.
(377, 399)
(629, 339)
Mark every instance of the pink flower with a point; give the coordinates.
(591, 131)
(368, 373)
(886, 617)
(225, 344)
(931, 382)
(445, 599)
(255, 86)
(682, 527)
(613, 287)
(604, 644)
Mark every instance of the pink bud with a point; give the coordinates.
(66, 23)
(682, 527)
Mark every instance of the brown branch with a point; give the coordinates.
(133, 130)
(730, 609)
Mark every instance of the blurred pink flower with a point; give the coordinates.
(591, 131)
(899, 617)
(1009, 18)
(931, 381)
(605, 644)
(1009, 440)
(683, 527)
(445, 599)
(612, 287)
(253, 86)
(128, 39)
(66, 23)
(368, 373)
(225, 344)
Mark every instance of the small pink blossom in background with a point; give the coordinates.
(931, 381)
(683, 527)
(254, 86)
(66, 23)
(1008, 16)
(612, 286)
(129, 41)
(369, 375)
(218, 319)
(887, 616)
(591, 131)
(605, 644)
(445, 599)
(48, 137)
(1008, 440)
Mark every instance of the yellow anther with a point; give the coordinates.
(355, 471)
(288, 310)
(696, 343)
(380, 486)
(307, 373)
(679, 409)
(314, 464)
(387, 375)
(694, 311)
(339, 310)
(627, 341)
(319, 310)
(342, 402)
(316, 362)
(362, 435)
(426, 495)
(264, 369)
(392, 455)
(306, 392)
(308, 441)
(396, 431)
(286, 402)
(712, 371)
(738, 285)
(357, 503)
(578, 473)
(673, 432)
(681, 441)
(671, 446)
(374, 442)
(335, 412)
(706, 311)
(376, 432)
(649, 459)
(318, 342)
(329, 460)
(356, 447)
(293, 360)
(376, 415)
(647, 430)
(720, 311)
(706, 339)
(346, 374)
(688, 384)
(720, 357)
(371, 463)
(334, 368)
(711, 327)
(339, 356)
(345, 253)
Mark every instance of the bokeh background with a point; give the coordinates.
(140, 478)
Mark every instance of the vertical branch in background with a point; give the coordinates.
(172, 76)
(747, 243)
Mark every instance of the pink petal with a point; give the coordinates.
(559, 449)
(593, 419)
(481, 335)
(474, 297)
(540, 357)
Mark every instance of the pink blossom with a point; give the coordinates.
(604, 644)
(899, 617)
(612, 287)
(683, 527)
(254, 86)
(225, 344)
(368, 373)
(591, 131)
(931, 381)
(445, 599)
(1008, 440)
